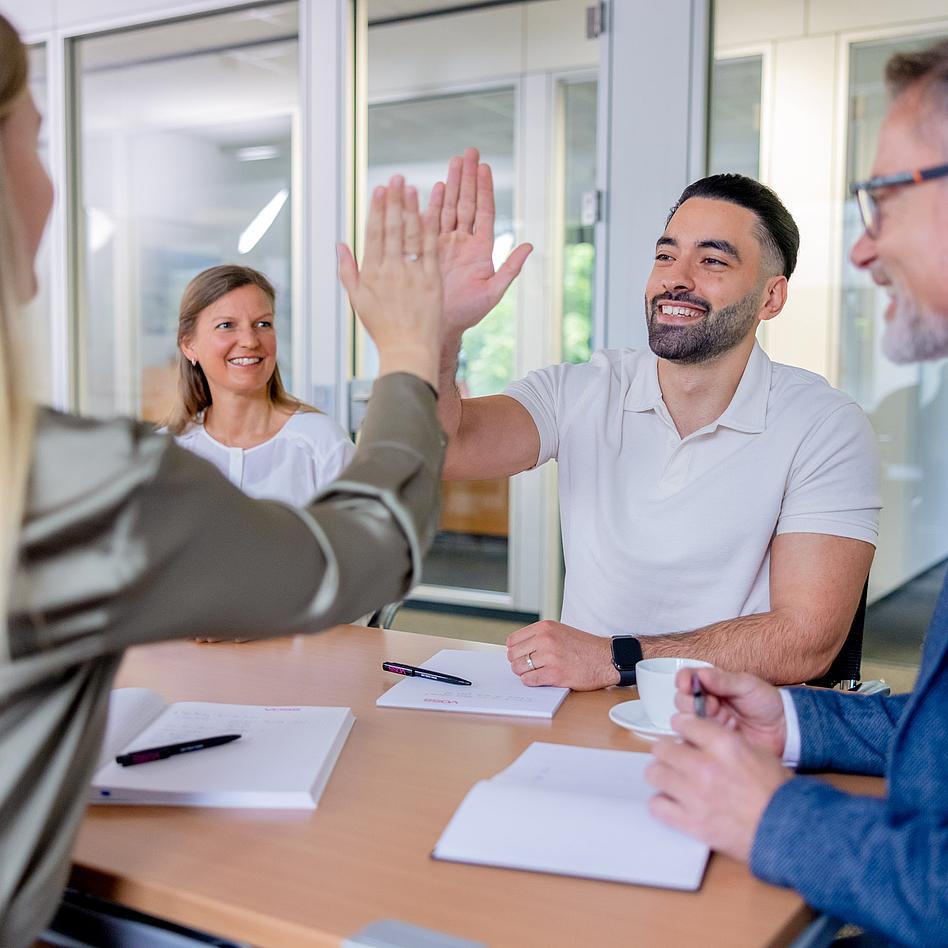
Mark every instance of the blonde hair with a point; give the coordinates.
(16, 408)
(194, 393)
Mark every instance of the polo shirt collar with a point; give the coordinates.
(644, 393)
(747, 410)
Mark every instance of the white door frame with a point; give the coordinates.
(654, 143)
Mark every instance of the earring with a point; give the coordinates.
(194, 362)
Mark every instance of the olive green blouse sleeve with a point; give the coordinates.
(130, 539)
(149, 542)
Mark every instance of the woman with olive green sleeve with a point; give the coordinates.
(147, 542)
(125, 538)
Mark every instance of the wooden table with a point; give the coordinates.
(278, 878)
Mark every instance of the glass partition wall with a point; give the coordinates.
(581, 210)
(907, 404)
(181, 141)
(185, 147)
(804, 91)
(516, 80)
(734, 124)
(417, 137)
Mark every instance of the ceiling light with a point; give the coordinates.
(257, 153)
(262, 222)
(100, 228)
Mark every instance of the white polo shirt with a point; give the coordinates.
(663, 534)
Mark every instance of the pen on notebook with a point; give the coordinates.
(397, 668)
(148, 754)
(698, 694)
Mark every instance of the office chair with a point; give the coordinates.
(845, 671)
(383, 618)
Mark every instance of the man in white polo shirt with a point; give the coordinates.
(714, 504)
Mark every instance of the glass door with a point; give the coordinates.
(185, 160)
(514, 81)
(417, 137)
(907, 404)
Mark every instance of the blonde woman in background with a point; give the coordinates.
(231, 407)
(108, 528)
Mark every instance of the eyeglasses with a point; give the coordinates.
(869, 207)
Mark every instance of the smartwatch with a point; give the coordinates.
(626, 651)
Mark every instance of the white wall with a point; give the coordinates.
(492, 45)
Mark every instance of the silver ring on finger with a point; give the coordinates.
(530, 664)
(412, 257)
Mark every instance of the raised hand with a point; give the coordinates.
(397, 293)
(739, 702)
(464, 208)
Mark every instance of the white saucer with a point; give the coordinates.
(631, 715)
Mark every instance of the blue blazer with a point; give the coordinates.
(879, 863)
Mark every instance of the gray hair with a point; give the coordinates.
(926, 69)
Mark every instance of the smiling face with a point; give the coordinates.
(907, 256)
(234, 342)
(709, 287)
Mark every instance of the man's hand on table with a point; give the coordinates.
(717, 783)
(562, 656)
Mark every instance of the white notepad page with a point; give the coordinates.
(574, 811)
(283, 759)
(495, 690)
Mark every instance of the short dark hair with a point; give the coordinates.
(928, 66)
(777, 231)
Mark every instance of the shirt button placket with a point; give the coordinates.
(237, 467)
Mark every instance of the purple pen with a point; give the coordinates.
(698, 694)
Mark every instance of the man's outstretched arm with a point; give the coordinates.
(493, 436)
(815, 584)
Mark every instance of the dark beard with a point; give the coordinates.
(717, 332)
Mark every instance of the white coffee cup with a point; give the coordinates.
(655, 678)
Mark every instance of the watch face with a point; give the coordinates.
(626, 652)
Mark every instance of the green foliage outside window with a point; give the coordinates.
(487, 360)
(578, 263)
(488, 356)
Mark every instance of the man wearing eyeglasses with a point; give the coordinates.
(714, 504)
(881, 863)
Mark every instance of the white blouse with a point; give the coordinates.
(308, 452)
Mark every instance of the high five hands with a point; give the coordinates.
(464, 209)
(397, 292)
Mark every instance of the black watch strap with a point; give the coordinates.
(626, 651)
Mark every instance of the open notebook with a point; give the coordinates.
(283, 759)
(575, 811)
